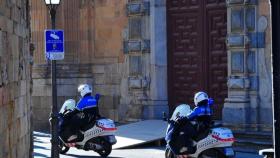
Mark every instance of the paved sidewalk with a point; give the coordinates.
(42, 149)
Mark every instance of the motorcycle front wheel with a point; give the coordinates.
(169, 153)
(63, 149)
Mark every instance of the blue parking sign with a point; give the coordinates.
(54, 44)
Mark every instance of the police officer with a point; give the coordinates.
(202, 112)
(181, 131)
(84, 113)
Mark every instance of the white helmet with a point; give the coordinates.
(200, 96)
(84, 89)
(182, 110)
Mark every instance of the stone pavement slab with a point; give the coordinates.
(140, 132)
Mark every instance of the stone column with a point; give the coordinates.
(244, 41)
(158, 56)
(137, 53)
(146, 54)
(15, 80)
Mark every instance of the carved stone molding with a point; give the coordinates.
(134, 46)
(241, 2)
(236, 83)
(235, 41)
(241, 83)
(138, 82)
(138, 9)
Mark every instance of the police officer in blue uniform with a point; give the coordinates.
(202, 112)
(181, 132)
(85, 112)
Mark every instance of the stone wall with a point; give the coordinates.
(93, 54)
(112, 48)
(15, 79)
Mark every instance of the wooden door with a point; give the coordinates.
(197, 58)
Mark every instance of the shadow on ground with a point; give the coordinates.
(77, 156)
(38, 155)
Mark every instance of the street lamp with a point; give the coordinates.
(52, 6)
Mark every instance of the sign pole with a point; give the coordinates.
(54, 112)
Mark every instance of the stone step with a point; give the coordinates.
(245, 150)
(262, 136)
(252, 142)
(249, 148)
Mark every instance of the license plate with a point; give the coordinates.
(229, 152)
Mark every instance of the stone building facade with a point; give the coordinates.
(93, 54)
(15, 79)
(146, 56)
(249, 101)
(96, 35)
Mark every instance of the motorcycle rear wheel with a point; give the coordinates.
(63, 149)
(106, 148)
(212, 153)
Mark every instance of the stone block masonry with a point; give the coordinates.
(15, 80)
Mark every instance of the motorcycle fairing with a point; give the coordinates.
(103, 127)
(223, 135)
(106, 125)
(218, 138)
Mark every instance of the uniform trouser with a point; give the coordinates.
(182, 137)
(72, 124)
(78, 121)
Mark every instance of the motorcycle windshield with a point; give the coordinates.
(182, 110)
(69, 104)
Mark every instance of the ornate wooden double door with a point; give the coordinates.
(197, 57)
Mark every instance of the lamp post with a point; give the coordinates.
(52, 6)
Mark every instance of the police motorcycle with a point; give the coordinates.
(99, 136)
(214, 143)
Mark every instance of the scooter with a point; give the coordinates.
(98, 136)
(217, 143)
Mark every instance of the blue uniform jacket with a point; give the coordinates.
(200, 111)
(86, 103)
